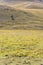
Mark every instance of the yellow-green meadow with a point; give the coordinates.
(16, 45)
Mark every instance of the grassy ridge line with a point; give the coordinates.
(14, 31)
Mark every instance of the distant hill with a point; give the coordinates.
(17, 19)
(34, 4)
(20, 0)
(25, 15)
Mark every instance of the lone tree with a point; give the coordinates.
(12, 17)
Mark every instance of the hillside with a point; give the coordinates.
(21, 32)
(17, 19)
(25, 15)
(34, 4)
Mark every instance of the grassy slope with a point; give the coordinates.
(21, 47)
(28, 19)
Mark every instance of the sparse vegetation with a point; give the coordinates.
(17, 19)
(21, 45)
(21, 34)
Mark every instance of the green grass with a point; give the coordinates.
(21, 47)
